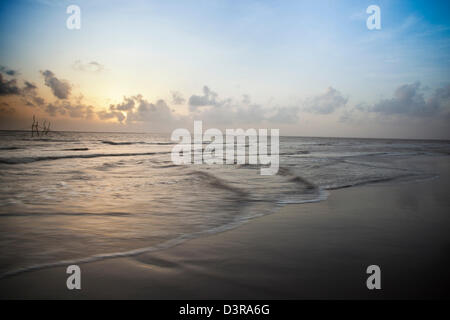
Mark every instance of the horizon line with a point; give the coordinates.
(281, 136)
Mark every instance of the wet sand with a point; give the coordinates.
(308, 251)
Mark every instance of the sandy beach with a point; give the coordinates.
(309, 251)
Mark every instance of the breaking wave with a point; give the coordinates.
(127, 143)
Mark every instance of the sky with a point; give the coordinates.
(308, 68)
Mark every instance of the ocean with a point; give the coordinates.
(73, 197)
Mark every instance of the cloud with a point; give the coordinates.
(79, 111)
(136, 109)
(107, 115)
(60, 88)
(231, 112)
(29, 87)
(209, 98)
(52, 110)
(285, 115)
(246, 99)
(127, 105)
(93, 66)
(71, 110)
(253, 114)
(8, 87)
(409, 100)
(158, 112)
(177, 98)
(8, 71)
(117, 110)
(325, 103)
(29, 92)
(6, 109)
(131, 110)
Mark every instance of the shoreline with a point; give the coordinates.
(307, 251)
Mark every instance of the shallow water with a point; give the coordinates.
(70, 196)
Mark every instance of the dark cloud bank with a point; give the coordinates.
(408, 100)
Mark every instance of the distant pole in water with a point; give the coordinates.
(48, 128)
(35, 127)
(32, 126)
(45, 129)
